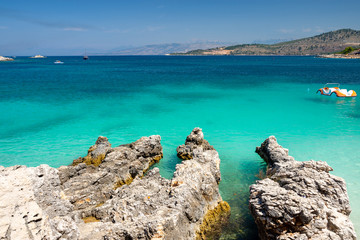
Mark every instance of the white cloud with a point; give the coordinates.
(75, 29)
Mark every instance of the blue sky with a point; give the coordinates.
(68, 27)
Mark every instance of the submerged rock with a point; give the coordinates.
(299, 200)
(113, 198)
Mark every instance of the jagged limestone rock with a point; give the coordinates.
(153, 207)
(87, 185)
(193, 141)
(114, 200)
(32, 206)
(299, 200)
(96, 153)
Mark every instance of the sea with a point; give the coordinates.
(52, 113)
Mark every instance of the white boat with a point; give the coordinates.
(38, 56)
(3, 59)
(58, 62)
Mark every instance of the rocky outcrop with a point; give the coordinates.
(32, 206)
(3, 59)
(89, 185)
(194, 140)
(299, 200)
(96, 153)
(154, 207)
(114, 199)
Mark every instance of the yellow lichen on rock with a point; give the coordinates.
(154, 160)
(122, 182)
(90, 219)
(157, 158)
(96, 153)
(213, 221)
(160, 234)
(185, 156)
(129, 180)
(88, 160)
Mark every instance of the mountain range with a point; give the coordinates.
(163, 49)
(328, 42)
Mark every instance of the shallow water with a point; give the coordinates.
(53, 113)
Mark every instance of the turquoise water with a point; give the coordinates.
(53, 113)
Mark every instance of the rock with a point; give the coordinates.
(153, 207)
(89, 185)
(96, 153)
(299, 200)
(115, 199)
(31, 205)
(193, 141)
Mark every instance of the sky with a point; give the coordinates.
(68, 27)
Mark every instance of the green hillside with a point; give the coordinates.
(329, 42)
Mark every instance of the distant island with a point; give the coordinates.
(326, 43)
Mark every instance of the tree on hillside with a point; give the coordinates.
(347, 50)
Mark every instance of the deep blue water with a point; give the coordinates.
(53, 113)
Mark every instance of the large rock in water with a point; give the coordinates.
(299, 200)
(112, 198)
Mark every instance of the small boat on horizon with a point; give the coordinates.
(85, 57)
(336, 91)
(38, 56)
(58, 62)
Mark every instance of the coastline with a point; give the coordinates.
(73, 133)
(340, 56)
(107, 195)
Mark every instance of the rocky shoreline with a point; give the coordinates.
(299, 200)
(106, 195)
(111, 194)
(341, 56)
